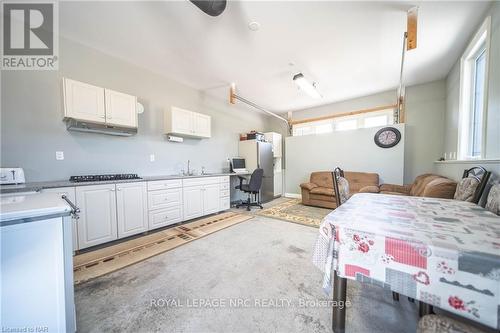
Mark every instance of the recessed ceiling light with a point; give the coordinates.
(254, 26)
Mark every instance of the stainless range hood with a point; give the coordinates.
(84, 126)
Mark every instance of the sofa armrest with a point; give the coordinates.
(403, 189)
(369, 189)
(308, 186)
(440, 188)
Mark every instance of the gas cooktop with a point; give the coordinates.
(103, 178)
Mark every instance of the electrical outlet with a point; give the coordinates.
(59, 155)
(152, 157)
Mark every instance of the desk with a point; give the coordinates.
(444, 253)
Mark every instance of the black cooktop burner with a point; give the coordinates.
(102, 178)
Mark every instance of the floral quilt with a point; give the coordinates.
(443, 252)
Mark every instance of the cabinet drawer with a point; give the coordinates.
(224, 193)
(164, 217)
(164, 184)
(224, 203)
(200, 181)
(224, 186)
(224, 179)
(165, 198)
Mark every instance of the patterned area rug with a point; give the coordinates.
(294, 211)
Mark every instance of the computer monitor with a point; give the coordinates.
(238, 163)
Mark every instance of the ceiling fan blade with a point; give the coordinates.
(411, 28)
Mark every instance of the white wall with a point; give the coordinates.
(493, 104)
(454, 169)
(351, 150)
(32, 128)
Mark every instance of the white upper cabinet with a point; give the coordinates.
(187, 123)
(202, 125)
(86, 102)
(120, 108)
(83, 101)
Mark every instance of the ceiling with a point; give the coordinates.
(350, 49)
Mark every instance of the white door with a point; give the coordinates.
(278, 184)
(202, 125)
(131, 208)
(120, 109)
(97, 223)
(70, 193)
(83, 101)
(182, 121)
(192, 202)
(277, 145)
(211, 199)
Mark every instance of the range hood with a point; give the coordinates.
(85, 126)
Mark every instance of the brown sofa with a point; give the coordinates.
(319, 191)
(426, 185)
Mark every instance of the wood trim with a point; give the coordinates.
(411, 27)
(343, 114)
(232, 91)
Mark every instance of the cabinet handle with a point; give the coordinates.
(103, 116)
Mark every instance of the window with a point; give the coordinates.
(473, 87)
(364, 120)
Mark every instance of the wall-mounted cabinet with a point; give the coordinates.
(187, 123)
(86, 102)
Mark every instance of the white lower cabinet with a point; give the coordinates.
(211, 199)
(164, 203)
(193, 202)
(131, 208)
(97, 223)
(70, 193)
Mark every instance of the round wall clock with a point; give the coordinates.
(387, 137)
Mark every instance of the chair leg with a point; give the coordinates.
(249, 201)
(395, 296)
(411, 300)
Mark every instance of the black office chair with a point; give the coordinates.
(252, 188)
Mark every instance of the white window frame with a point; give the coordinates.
(466, 103)
(360, 121)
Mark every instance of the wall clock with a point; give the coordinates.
(387, 137)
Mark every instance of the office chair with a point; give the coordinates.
(252, 187)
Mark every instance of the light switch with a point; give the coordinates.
(59, 155)
(152, 157)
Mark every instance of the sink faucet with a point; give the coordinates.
(188, 172)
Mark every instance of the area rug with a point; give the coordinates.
(96, 263)
(294, 211)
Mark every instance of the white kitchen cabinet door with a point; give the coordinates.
(193, 202)
(70, 193)
(202, 125)
(97, 223)
(131, 208)
(182, 121)
(211, 199)
(83, 101)
(120, 108)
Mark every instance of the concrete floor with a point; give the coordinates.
(262, 263)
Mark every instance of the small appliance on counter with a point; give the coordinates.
(12, 176)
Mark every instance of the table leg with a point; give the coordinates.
(339, 307)
(424, 309)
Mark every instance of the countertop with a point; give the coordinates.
(37, 186)
(24, 208)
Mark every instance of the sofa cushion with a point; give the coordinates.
(323, 191)
(308, 186)
(440, 188)
(322, 178)
(418, 187)
(358, 180)
(322, 197)
(466, 189)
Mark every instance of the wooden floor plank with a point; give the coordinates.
(103, 261)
